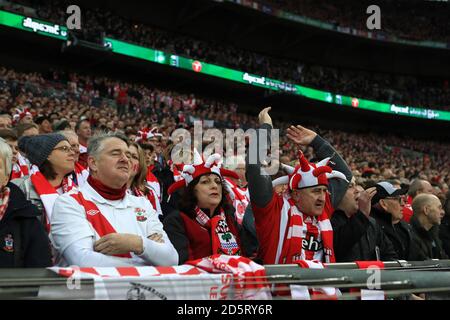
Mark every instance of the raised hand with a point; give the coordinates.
(364, 200)
(300, 135)
(264, 117)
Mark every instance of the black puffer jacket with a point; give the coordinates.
(23, 240)
(360, 238)
(427, 243)
(399, 234)
(444, 233)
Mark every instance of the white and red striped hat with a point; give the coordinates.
(199, 168)
(306, 174)
(20, 114)
(146, 133)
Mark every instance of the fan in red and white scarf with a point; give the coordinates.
(145, 134)
(239, 197)
(47, 192)
(221, 234)
(20, 168)
(301, 236)
(81, 173)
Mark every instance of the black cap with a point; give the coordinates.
(385, 190)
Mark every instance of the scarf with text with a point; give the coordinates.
(306, 237)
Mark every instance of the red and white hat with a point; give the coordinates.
(199, 168)
(145, 134)
(307, 174)
(20, 114)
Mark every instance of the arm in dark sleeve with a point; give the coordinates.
(174, 227)
(337, 187)
(37, 252)
(444, 235)
(259, 185)
(347, 232)
(249, 238)
(387, 251)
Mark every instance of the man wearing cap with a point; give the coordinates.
(101, 225)
(387, 206)
(295, 225)
(428, 213)
(357, 236)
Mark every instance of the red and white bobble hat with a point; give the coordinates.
(307, 174)
(145, 134)
(199, 168)
(20, 114)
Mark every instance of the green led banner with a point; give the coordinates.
(120, 47)
(33, 25)
(156, 56)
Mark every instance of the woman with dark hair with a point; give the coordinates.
(53, 160)
(205, 223)
(137, 184)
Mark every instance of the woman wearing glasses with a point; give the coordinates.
(52, 160)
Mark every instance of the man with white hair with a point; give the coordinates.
(102, 225)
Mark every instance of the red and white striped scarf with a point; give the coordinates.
(47, 192)
(16, 172)
(303, 236)
(299, 292)
(151, 196)
(95, 217)
(24, 164)
(223, 240)
(239, 197)
(249, 279)
(215, 277)
(81, 173)
(153, 182)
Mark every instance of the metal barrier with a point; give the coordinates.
(397, 279)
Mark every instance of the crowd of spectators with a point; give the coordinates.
(413, 20)
(431, 93)
(112, 105)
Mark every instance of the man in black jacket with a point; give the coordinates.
(425, 222)
(387, 207)
(444, 228)
(357, 236)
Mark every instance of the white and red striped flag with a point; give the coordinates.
(218, 277)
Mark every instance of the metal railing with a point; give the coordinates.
(398, 279)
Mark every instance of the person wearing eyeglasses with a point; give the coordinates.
(52, 160)
(387, 210)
